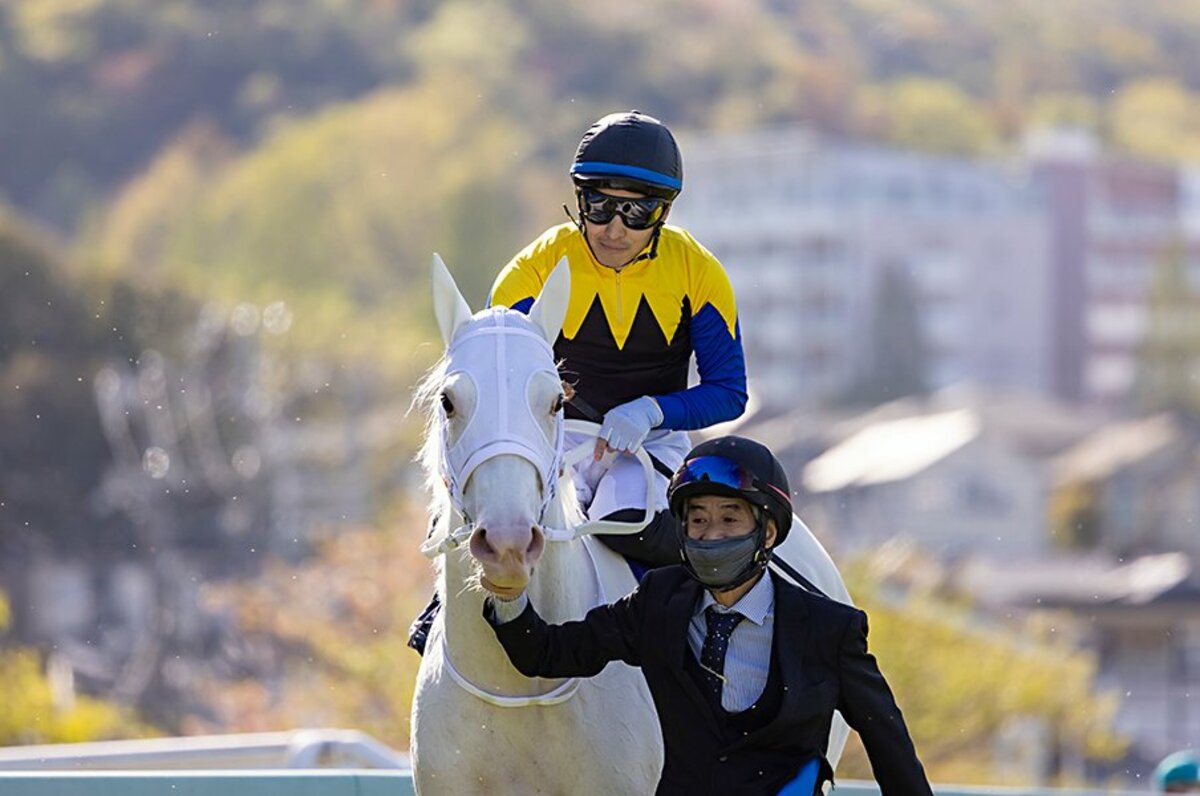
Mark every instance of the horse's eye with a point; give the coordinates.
(447, 405)
(558, 404)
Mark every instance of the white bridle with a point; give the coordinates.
(487, 352)
(503, 421)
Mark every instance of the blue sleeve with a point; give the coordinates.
(521, 306)
(721, 393)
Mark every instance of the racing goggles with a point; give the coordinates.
(637, 214)
(715, 470)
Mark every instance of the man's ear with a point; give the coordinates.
(771, 534)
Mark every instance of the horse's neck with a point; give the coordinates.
(563, 587)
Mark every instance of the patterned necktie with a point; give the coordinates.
(716, 644)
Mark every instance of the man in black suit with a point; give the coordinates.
(745, 669)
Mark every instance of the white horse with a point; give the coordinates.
(493, 457)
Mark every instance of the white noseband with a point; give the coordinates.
(494, 352)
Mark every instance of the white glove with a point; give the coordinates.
(625, 427)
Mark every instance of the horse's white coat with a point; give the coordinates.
(603, 740)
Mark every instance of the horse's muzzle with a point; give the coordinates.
(507, 555)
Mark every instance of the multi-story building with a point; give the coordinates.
(807, 227)
(1113, 221)
(1032, 276)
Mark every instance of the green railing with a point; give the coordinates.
(304, 762)
(207, 783)
(333, 783)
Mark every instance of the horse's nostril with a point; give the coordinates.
(537, 543)
(480, 546)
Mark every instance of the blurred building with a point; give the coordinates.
(808, 227)
(1112, 220)
(1141, 619)
(1032, 274)
(1132, 487)
(962, 471)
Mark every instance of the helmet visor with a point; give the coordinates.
(725, 472)
(715, 470)
(639, 214)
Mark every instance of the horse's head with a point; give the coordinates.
(499, 422)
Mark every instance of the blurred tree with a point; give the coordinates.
(1075, 520)
(1065, 110)
(92, 89)
(52, 450)
(323, 643)
(962, 688)
(104, 83)
(896, 360)
(39, 709)
(1168, 377)
(1157, 117)
(133, 232)
(338, 218)
(931, 115)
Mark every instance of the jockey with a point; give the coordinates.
(645, 297)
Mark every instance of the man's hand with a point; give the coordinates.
(505, 609)
(625, 427)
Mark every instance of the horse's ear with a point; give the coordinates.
(450, 308)
(550, 308)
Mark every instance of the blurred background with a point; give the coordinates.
(965, 240)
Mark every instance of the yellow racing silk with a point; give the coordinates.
(632, 333)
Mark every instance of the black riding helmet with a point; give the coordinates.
(738, 467)
(629, 151)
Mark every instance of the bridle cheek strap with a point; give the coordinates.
(503, 422)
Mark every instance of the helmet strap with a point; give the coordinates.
(653, 251)
(576, 221)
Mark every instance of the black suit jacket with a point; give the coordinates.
(821, 649)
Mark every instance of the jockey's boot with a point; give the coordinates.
(418, 631)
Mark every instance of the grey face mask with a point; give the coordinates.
(725, 563)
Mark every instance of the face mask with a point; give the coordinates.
(723, 564)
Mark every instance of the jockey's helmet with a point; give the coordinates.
(629, 151)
